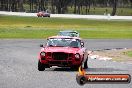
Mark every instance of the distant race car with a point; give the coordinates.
(68, 33)
(43, 14)
(62, 51)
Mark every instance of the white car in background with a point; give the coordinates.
(70, 33)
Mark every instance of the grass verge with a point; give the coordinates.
(33, 27)
(129, 53)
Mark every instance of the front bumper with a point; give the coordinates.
(62, 63)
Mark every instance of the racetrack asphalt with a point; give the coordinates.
(18, 65)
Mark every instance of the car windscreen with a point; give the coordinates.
(63, 42)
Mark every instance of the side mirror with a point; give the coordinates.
(82, 44)
(41, 45)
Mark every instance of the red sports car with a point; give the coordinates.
(43, 14)
(62, 51)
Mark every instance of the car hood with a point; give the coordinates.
(61, 49)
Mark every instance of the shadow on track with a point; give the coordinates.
(64, 69)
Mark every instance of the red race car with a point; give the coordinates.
(62, 51)
(43, 14)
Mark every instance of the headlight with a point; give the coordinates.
(42, 53)
(77, 56)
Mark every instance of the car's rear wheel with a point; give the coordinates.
(41, 67)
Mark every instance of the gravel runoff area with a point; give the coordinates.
(107, 17)
(119, 55)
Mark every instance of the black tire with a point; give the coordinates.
(85, 64)
(75, 68)
(41, 67)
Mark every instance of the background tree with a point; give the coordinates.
(65, 6)
(31, 5)
(87, 6)
(131, 3)
(114, 7)
(61, 5)
(20, 5)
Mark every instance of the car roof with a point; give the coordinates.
(64, 37)
(69, 31)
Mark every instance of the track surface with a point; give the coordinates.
(18, 66)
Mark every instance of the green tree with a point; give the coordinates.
(114, 7)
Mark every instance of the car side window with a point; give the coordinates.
(75, 44)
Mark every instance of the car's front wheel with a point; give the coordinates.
(41, 66)
(85, 64)
(75, 67)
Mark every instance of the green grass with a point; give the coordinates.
(101, 11)
(33, 27)
(129, 53)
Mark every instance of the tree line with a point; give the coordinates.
(61, 6)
